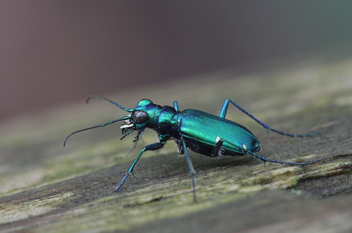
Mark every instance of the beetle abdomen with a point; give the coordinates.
(201, 131)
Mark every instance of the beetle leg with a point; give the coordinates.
(130, 150)
(224, 111)
(154, 146)
(244, 150)
(278, 161)
(135, 141)
(191, 169)
(176, 105)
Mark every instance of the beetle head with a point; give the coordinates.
(141, 117)
(144, 115)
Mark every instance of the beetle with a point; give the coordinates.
(201, 132)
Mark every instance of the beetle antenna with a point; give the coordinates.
(114, 103)
(97, 126)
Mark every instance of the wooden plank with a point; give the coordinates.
(47, 188)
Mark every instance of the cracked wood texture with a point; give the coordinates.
(47, 188)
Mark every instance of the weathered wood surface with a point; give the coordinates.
(47, 188)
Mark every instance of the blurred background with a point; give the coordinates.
(55, 52)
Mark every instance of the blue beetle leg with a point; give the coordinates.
(224, 111)
(224, 108)
(176, 105)
(191, 169)
(281, 162)
(154, 146)
(244, 149)
(135, 141)
(122, 182)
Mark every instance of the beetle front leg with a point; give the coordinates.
(154, 146)
(268, 128)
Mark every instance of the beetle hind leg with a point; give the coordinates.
(267, 127)
(281, 162)
(245, 151)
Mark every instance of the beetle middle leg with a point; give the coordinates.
(191, 169)
(268, 128)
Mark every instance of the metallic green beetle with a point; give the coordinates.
(199, 131)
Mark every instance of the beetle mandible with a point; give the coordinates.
(199, 131)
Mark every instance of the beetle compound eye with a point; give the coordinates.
(140, 117)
